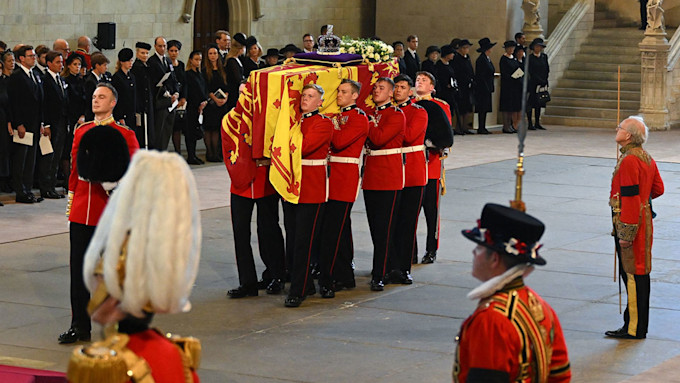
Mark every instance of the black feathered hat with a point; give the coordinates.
(103, 155)
(439, 133)
(509, 232)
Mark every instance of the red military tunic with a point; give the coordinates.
(414, 148)
(636, 180)
(260, 186)
(525, 345)
(317, 132)
(349, 136)
(163, 356)
(434, 156)
(88, 200)
(383, 164)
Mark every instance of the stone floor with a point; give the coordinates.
(405, 333)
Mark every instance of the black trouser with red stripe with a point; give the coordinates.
(80, 236)
(269, 237)
(381, 211)
(407, 224)
(431, 209)
(303, 223)
(636, 315)
(337, 250)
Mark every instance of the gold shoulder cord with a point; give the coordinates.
(190, 348)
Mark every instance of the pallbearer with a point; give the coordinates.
(415, 180)
(383, 175)
(349, 136)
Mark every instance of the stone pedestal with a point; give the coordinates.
(532, 32)
(654, 84)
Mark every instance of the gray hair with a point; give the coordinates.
(638, 130)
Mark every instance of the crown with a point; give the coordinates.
(329, 44)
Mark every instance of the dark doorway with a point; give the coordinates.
(209, 17)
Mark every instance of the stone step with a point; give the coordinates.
(589, 102)
(604, 67)
(607, 59)
(605, 14)
(597, 94)
(602, 76)
(548, 119)
(609, 42)
(631, 50)
(569, 111)
(613, 23)
(601, 85)
(621, 33)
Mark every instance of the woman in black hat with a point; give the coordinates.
(216, 81)
(462, 70)
(289, 51)
(235, 68)
(511, 88)
(124, 82)
(539, 70)
(253, 53)
(484, 87)
(431, 57)
(271, 58)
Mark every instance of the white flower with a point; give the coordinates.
(351, 50)
(370, 49)
(342, 50)
(390, 50)
(386, 57)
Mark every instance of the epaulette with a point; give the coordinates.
(190, 347)
(440, 100)
(413, 104)
(83, 124)
(108, 361)
(122, 126)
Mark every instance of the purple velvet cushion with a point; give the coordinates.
(329, 60)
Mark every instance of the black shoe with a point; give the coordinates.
(275, 286)
(400, 277)
(539, 127)
(73, 335)
(509, 131)
(316, 272)
(338, 285)
(262, 284)
(2, 204)
(327, 292)
(377, 285)
(622, 333)
(429, 257)
(483, 131)
(50, 194)
(242, 292)
(194, 161)
(25, 198)
(36, 199)
(292, 301)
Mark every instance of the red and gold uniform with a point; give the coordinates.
(513, 336)
(303, 220)
(86, 202)
(383, 182)
(336, 246)
(636, 181)
(434, 156)
(414, 188)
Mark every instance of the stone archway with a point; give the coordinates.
(241, 14)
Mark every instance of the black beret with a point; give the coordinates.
(175, 43)
(125, 54)
(250, 41)
(103, 155)
(240, 38)
(143, 45)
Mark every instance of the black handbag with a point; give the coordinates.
(543, 94)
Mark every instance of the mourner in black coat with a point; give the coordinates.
(124, 82)
(539, 70)
(431, 59)
(98, 74)
(197, 97)
(174, 47)
(399, 54)
(144, 110)
(511, 88)
(465, 74)
(447, 87)
(411, 58)
(165, 95)
(484, 87)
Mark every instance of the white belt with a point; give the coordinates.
(345, 160)
(323, 162)
(382, 152)
(411, 149)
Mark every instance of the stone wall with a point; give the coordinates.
(559, 61)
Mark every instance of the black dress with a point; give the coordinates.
(484, 87)
(145, 102)
(76, 108)
(539, 70)
(446, 83)
(5, 138)
(249, 65)
(127, 97)
(195, 93)
(234, 80)
(428, 66)
(212, 114)
(180, 116)
(511, 88)
(462, 69)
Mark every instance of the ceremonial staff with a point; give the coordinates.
(517, 203)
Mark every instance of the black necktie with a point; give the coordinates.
(33, 77)
(61, 86)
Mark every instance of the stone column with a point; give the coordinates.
(654, 84)
(532, 27)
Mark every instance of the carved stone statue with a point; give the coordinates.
(531, 16)
(655, 19)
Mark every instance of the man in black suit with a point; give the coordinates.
(411, 58)
(223, 41)
(643, 15)
(25, 93)
(56, 117)
(100, 64)
(165, 95)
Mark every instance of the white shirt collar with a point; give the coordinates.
(52, 73)
(161, 57)
(223, 52)
(413, 53)
(26, 70)
(96, 76)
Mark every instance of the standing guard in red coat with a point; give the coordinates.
(303, 220)
(383, 176)
(143, 260)
(438, 138)
(88, 194)
(513, 335)
(635, 183)
(415, 180)
(349, 136)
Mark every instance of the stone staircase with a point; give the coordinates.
(587, 93)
